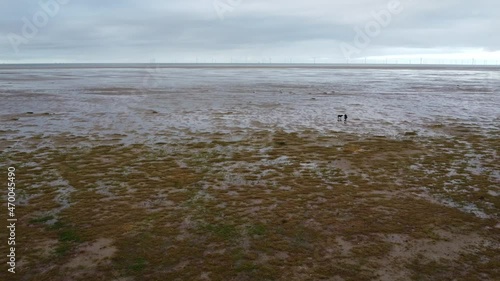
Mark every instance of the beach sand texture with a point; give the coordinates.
(158, 172)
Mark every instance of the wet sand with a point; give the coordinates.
(138, 102)
(237, 174)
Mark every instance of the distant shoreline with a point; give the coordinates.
(250, 65)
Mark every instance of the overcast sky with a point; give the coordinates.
(249, 31)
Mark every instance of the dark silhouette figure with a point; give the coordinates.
(339, 117)
(345, 118)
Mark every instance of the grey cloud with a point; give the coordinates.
(96, 30)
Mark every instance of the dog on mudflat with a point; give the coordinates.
(339, 117)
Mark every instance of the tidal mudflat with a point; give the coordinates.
(246, 177)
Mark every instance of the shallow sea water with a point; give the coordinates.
(149, 101)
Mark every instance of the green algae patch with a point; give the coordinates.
(268, 206)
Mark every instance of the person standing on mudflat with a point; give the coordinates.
(345, 117)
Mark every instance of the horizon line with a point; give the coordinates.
(237, 64)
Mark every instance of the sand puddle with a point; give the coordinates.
(89, 256)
